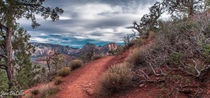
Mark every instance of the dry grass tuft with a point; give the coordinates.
(64, 71)
(117, 78)
(75, 64)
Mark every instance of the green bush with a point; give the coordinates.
(3, 81)
(75, 64)
(136, 57)
(35, 92)
(206, 51)
(175, 57)
(96, 57)
(49, 92)
(190, 68)
(187, 81)
(129, 40)
(58, 82)
(117, 78)
(64, 71)
(120, 49)
(52, 91)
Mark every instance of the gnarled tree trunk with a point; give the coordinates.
(9, 52)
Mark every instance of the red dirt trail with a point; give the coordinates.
(81, 83)
(82, 80)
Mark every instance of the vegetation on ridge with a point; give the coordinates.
(181, 43)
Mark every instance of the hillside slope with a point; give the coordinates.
(81, 82)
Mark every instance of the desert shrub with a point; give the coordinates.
(175, 57)
(151, 35)
(117, 78)
(35, 92)
(139, 41)
(96, 57)
(177, 77)
(190, 69)
(64, 71)
(120, 49)
(206, 51)
(52, 91)
(57, 80)
(187, 81)
(3, 81)
(44, 88)
(49, 92)
(75, 64)
(129, 40)
(135, 57)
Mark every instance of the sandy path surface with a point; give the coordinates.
(80, 83)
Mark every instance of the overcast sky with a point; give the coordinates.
(89, 21)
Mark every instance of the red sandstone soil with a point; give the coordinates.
(82, 81)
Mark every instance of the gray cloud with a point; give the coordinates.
(83, 21)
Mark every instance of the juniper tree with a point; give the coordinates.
(10, 12)
(55, 61)
(150, 21)
(189, 7)
(25, 71)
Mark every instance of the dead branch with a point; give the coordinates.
(153, 70)
(195, 67)
(204, 72)
(144, 74)
(3, 67)
(4, 56)
(3, 27)
(161, 71)
(186, 91)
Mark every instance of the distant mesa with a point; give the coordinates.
(43, 50)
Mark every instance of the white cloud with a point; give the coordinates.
(64, 18)
(93, 10)
(41, 40)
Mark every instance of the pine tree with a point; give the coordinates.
(10, 11)
(25, 71)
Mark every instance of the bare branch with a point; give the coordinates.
(153, 70)
(144, 74)
(4, 56)
(3, 27)
(204, 72)
(3, 67)
(195, 67)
